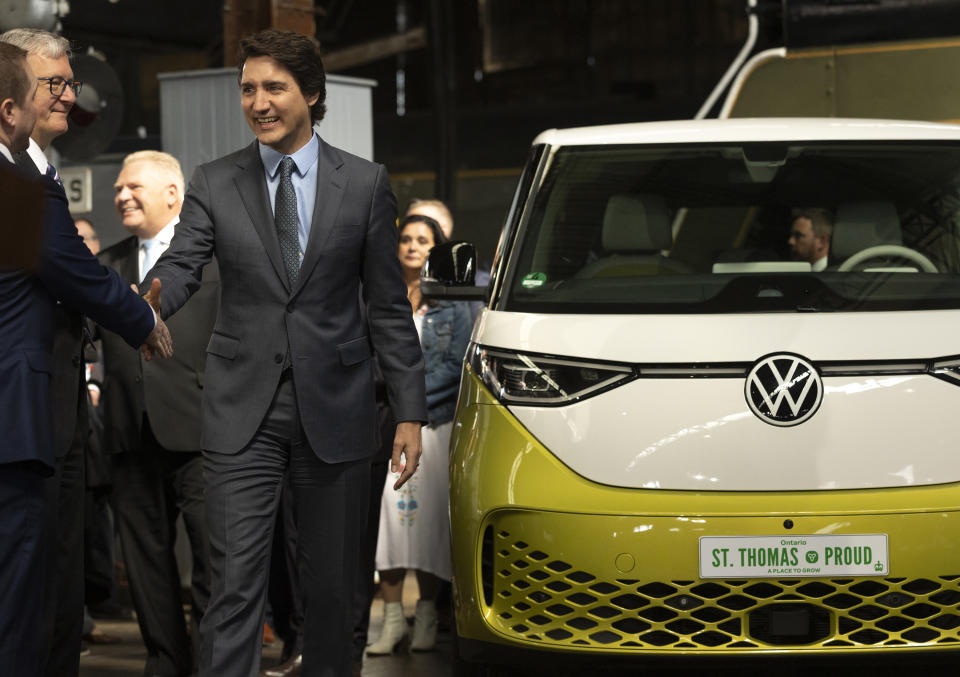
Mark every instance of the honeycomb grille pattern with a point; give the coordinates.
(542, 598)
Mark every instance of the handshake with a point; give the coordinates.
(159, 341)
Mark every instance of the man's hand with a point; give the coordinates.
(153, 296)
(406, 442)
(159, 341)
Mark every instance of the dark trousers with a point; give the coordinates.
(284, 591)
(152, 486)
(284, 587)
(243, 492)
(363, 594)
(61, 629)
(23, 515)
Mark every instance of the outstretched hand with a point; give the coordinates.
(159, 342)
(153, 296)
(407, 442)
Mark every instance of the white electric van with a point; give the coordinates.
(676, 433)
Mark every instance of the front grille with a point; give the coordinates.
(544, 599)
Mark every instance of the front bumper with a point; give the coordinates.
(548, 561)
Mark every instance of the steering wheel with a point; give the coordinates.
(888, 251)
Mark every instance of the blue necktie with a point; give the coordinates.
(285, 215)
(52, 173)
(149, 256)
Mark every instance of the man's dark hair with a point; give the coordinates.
(299, 54)
(821, 219)
(14, 83)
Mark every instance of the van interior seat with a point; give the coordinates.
(636, 228)
(859, 225)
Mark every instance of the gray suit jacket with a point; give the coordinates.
(319, 323)
(169, 391)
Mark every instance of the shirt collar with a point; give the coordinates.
(36, 154)
(6, 152)
(303, 158)
(165, 236)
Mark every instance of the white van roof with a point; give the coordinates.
(751, 129)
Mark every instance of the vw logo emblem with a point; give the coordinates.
(783, 389)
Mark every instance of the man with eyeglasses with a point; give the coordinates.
(48, 56)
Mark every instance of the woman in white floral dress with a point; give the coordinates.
(414, 520)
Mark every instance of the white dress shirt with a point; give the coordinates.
(39, 159)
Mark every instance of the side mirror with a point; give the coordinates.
(450, 273)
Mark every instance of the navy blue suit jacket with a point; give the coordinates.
(68, 273)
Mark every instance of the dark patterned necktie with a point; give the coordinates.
(53, 174)
(285, 215)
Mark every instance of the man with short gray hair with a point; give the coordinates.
(60, 633)
(41, 575)
(49, 57)
(436, 210)
(151, 415)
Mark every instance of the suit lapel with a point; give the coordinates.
(129, 267)
(25, 162)
(331, 186)
(252, 186)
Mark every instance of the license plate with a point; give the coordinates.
(801, 556)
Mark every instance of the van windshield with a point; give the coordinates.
(752, 227)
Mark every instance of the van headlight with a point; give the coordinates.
(527, 378)
(946, 369)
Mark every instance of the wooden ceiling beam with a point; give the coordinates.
(293, 15)
(243, 17)
(374, 50)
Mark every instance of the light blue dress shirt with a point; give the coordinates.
(304, 183)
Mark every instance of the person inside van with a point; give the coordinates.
(810, 236)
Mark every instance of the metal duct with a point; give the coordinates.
(808, 23)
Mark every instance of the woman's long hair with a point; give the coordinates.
(431, 223)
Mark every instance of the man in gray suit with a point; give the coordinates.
(299, 228)
(151, 414)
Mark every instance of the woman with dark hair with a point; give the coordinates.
(414, 523)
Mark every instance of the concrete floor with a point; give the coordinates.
(126, 658)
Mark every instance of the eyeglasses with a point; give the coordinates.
(58, 85)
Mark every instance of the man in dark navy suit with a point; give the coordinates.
(66, 272)
(61, 627)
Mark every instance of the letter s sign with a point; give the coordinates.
(78, 184)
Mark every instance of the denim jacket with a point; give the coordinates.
(444, 337)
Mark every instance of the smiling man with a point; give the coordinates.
(48, 57)
(299, 229)
(43, 425)
(152, 424)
